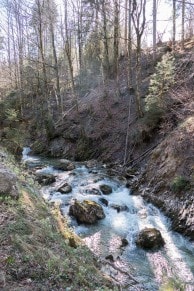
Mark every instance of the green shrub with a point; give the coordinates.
(180, 183)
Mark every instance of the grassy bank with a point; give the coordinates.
(37, 249)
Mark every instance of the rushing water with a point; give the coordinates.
(173, 264)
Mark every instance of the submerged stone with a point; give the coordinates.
(65, 188)
(105, 189)
(119, 208)
(65, 165)
(93, 191)
(103, 201)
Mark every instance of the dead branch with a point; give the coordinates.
(142, 156)
(121, 271)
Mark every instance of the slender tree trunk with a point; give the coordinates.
(126, 26)
(105, 41)
(138, 78)
(154, 29)
(174, 25)
(9, 48)
(41, 46)
(67, 47)
(116, 38)
(80, 44)
(55, 60)
(129, 77)
(183, 25)
(14, 54)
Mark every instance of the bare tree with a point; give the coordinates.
(139, 20)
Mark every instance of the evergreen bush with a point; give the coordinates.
(161, 81)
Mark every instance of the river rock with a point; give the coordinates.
(105, 189)
(92, 164)
(150, 238)
(65, 165)
(103, 201)
(65, 188)
(93, 191)
(124, 242)
(45, 179)
(87, 211)
(119, 208)
(8, 184)
(110, 258)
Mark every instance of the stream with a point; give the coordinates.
(130, 266)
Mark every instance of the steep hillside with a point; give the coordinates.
(168, 178)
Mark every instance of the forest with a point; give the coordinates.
(97, 145)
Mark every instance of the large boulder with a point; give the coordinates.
(105, 189)
(8, 184)
(150, 238)
(65, 165)
(87, 211)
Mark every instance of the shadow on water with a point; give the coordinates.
(174, 263)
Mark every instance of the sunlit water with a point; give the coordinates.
(174, 263)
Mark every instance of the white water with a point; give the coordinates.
(175, 262)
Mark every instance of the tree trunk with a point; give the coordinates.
(129, 77)
(116, 39)
(41, 46)
(174, 25)
(126, 26)
(56, 68)
(106, 64)
(183, 25)
(154, 29)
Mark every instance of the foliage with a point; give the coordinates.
(160, 83)
(180, 183)
(12, 114)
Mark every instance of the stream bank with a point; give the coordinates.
(35, 251)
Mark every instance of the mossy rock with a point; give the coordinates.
(88, 211)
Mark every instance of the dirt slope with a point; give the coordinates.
(168, 179)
